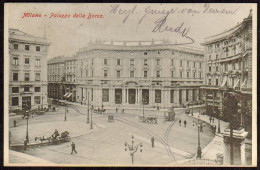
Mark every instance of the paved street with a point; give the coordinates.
(172, 141)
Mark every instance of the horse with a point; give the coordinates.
(43, 139)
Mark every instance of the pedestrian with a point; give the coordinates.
(14, 123)
(25, 144)
(116, 110)
(193, 123)
(185, 123)
(210, 119)
(215, 128)
(152, 140)
(180, 122)
(73, 148)
(213, 119)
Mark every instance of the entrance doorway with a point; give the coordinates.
(131, 96)
(118, 96)
(145, 96)
(26, 103)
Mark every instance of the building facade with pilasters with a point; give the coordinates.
(228, 59)
(137, 73)
(28, 71)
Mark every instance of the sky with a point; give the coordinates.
(67, 35)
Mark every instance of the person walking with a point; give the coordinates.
(210, 119)
(215, 128)
(15, 123)
(193, 123)
(152, 141)
(213, 119)
(180, 122)
(185, 123)
(73, 148)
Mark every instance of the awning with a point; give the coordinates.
(243, 83)
(236, 83)
(224, 82)
(66, 95)
(70, 94)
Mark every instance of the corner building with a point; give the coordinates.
(228, 58)
(137, 73)
(27, 71)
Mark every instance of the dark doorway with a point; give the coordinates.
(118, 96)
(26, 103)
(131, 96)
(145, 96)
(180, 97)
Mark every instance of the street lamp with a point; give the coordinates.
(91, 123)
(199, 148)
(133, 149)
(88, 109)
(27, 131)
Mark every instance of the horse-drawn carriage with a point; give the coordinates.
(170, 115)
(148, 119)
(55, 138)
(99, 111)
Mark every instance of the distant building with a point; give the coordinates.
(28, 71)
(137, 73)
(228, 60)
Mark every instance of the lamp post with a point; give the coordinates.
(91, 123)
(66, 110)
(88, 109)
(27, 131)
(199, 148)
(133, 149)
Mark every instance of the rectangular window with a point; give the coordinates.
(209, 81)
(145, 62)
(92, 73)
(233, 66)
(105, 61)
(37, 76)
(200, 65)
(157, 96)
(209, 68)
(132, 61)
(226, 66)
(172, 62)
(188, 63)
(217, 82)
(37, 62)
(188, 74)
(86, 73)
(132, 73)
(27, 61)
(26, 89)
(105, 95)
(16, 46)
(209, 57)
(118, 73)
(15, 89)
(158, 62)
(37, 89)
(27, 47)
(145, 73)
(15, 61)
(92, 61)
(187, 95)
(180, 74)
(26, 77)
(216, 68)
(172, 73)
(181, 63)
(15, 101)
(145, 53)
(105, 73)
(157, 73)
(118, 62)
(37, 99)
(38, 48)
(194, 74)
(200, 75)
(194, 64)
(172, 96)
(216, 56)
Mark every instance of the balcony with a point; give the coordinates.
(26, 92)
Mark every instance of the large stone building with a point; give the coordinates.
(228, 59)
(136, 73)
(28, 71)
(133, 73)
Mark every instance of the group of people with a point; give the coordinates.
(122, 111)
(184, 123)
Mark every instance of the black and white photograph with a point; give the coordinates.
(130, 84)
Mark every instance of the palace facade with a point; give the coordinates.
(135, 73)
(228, 59)
(27, 71)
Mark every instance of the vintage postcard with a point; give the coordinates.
(130, 84)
